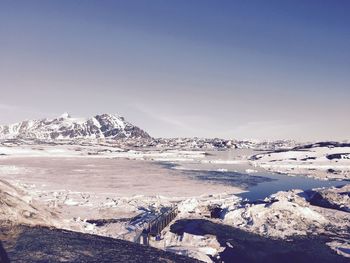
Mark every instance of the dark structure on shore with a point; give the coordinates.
(155, 227)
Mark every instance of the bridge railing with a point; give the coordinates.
(155, 226)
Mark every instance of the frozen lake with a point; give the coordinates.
(283, 182)
(216, 172)
(257, 182)
(104, 176)
(260, 184)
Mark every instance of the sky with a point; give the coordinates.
(230, 69)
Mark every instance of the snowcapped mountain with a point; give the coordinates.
(115, 128)
(65, 127)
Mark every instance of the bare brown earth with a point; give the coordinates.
(40, 244)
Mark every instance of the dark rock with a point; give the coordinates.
(45, 245)
(3, 255)
(241, 246)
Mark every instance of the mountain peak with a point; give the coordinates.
(65, 115)
(107, 126)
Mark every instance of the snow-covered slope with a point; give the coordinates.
(65, 127)
(295, 212)
(19, 208)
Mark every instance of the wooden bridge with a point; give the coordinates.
(156, 225)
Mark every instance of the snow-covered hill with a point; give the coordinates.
(327, 160)
(65, 127)
(223, 144)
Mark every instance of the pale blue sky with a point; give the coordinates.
(233, 69)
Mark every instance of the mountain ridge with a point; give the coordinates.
(115, 129)
(109, 126)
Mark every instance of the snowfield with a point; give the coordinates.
(270, 218)
(321, 160)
